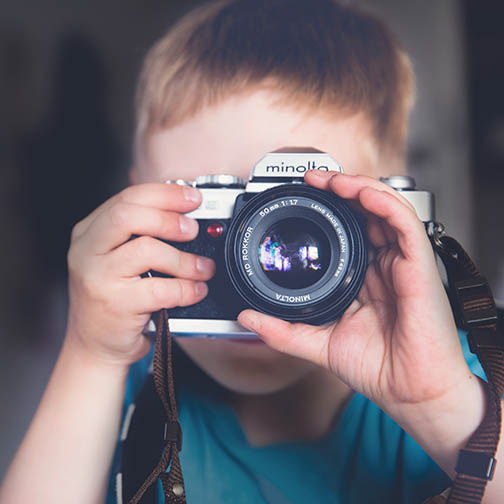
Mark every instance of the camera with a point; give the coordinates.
(280, 246)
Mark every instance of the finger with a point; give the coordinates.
(145, 253)
(410, 231)
(375, 231)
(148, 295)
(116, 225)
(173, 197)
(389, 233)
(383, 235)
(377, 286)
(320, 179)
(349, 186)
(297, 339)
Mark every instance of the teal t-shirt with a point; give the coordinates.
(366, 458)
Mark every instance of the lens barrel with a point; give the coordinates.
(297, 253)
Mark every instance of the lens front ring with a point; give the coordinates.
(327, 298)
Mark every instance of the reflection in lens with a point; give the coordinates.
(294, 253)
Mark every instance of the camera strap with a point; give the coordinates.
(475, 312)
(172, 481)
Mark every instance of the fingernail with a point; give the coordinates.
(246, 321)
(204, 265)
(188, 225)
(192, 194)
(201, 288)
(318, 173)
(336, 176)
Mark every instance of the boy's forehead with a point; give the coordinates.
(232, 136)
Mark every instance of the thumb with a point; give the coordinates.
(297, 339)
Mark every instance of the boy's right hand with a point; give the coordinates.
(110, 303)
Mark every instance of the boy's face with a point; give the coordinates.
(229, 138)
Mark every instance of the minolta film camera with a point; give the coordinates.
(280, 246)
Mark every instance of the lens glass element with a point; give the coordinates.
(294, 253)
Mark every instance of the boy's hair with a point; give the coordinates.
(316, 53)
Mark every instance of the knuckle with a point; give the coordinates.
(395, 195)
(172, 259)
(141, 246)
(170, 293)
(77, 230)
(126, 194)
(119, 214)
(89, 286)
(186, 291)
(76, 260)
(186, 262)
(408, 208)
(177, 261)
(72, 260)
(363, 178)
(161, 293)
(405, 201)
(415, 216)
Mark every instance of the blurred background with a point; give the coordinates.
(67, 78)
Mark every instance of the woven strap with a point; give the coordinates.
(476, 312)
(172, 481)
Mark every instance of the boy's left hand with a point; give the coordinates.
(397, 343)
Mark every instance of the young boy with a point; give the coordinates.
(372, 408)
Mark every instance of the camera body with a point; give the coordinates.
(280, 246)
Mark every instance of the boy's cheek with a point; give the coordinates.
(245, 368)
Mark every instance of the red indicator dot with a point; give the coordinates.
(215, 229)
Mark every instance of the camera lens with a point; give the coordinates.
(297, 253)
(294, 253)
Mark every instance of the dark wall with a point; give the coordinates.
(66, 91)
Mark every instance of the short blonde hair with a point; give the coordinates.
(319, 53)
